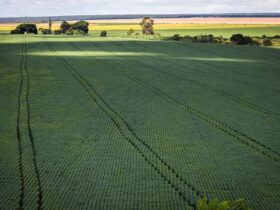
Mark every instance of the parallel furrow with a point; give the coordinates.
(19, 137)
(208, 87)
(31, 138)
(236, 134)
(152, 158)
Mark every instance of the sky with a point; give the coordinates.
(30, 8)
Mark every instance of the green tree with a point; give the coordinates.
(28, 28)
(81, 26)
(65, 26)
(147, 25)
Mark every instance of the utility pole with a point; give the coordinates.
(50, 25)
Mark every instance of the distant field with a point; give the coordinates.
(114, 123)
(226, 30)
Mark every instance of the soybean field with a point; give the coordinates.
(115, 123)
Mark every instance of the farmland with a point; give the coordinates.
(115, 123)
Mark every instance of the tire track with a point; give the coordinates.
(238, 135)
(25, 74)
(19, 136)
(31, 138)
(208, 87)
(129, 134)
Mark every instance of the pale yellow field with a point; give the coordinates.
(156, 26)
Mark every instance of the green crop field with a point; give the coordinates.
(114, 123)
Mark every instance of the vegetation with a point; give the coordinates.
(65, 26)
(94, 123)
(25, 28)
(103, 33)
(45, 31)
(81, 27)
(130, 31)
(238, 204)
(267, 42)
(147, 25)
(237, 39)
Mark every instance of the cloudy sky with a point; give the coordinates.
(15, 8)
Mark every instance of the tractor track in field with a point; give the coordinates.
(122, 126)
(31, 138)
(19, 139)
(218, 124)
(24, 70)
(208, 87)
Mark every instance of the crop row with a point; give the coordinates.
(236, 134)
(238, 100)
(147, 153)
(25, 117)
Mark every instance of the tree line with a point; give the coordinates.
(80, 27)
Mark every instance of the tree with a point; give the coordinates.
(65, 26)
(28, 28)
(147, 25)
(240, 39)
(81, 26)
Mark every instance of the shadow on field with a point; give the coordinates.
(125, 47)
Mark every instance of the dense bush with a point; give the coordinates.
(276, 37)
(45, 31)
(28, 28)
(16, 32)
(103, 33)
(69, 32)
(65, 26)
(267, 42)
(56, 32)
(81, 26)
(239, 39)
(176, 37)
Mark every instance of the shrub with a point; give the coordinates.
(255, 43)
(237, 39)
(157, 35)
(103, 33)
(137, 34)
(238, 204)
(16, 32)
(69, 32)
(176, 37)
(78, 32)
(188, 38)
(28, 28)
(56, 32)
(65, 26)
(46, 31)
(130, 32)
(276, 37)
(81, 26)
(267, 42)
(247, 40)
